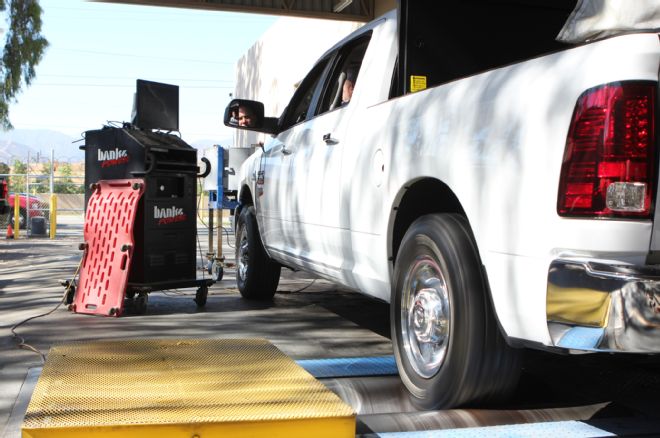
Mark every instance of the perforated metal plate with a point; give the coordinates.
(227, 387)
(109, 224)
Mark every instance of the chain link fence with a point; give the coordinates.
(35, 184)
(34, 192)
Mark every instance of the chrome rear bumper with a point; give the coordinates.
(596, 306)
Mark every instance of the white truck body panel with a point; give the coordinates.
(496, 139)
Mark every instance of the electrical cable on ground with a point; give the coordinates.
(21, 340)
(201, 219)
(199, 202)
(302, 289)
(227, 233)
(199, 216)
(201, 256)
(174, 293)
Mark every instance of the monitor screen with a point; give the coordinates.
(156, 106)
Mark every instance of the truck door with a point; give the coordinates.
(318, 159)
(303, 165)
(278, 204)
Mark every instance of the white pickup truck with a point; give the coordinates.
(498, 187)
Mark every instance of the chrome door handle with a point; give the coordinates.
(327, 138)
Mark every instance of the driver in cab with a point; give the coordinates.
(245, 116)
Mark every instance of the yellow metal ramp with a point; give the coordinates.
(181, 388)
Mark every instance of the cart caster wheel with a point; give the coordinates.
(218, 271)
(209, 267)
(70, 295)
(140, 304)
(200, 296)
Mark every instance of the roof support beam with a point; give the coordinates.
(362, 10)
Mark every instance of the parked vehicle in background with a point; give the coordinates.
(4, 193)
(497, 187)
(36, 209)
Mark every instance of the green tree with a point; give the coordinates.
(64, 183)
(17, 183)
(4, 168)
(45, 168)
(42, 182)
(24, 48)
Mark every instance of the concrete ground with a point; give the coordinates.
(309, 318)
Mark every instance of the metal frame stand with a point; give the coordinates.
(216, 261)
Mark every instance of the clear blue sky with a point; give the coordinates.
(98, 50)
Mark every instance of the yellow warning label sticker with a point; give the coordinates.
(417, 83)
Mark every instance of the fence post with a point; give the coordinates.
(53, 198)
(53, 215)
(28, 230)
(52, 172)
(17, 215)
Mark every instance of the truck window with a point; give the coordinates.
(300, 108)
(444, 41)
(338, 88)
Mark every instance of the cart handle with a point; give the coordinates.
(207, 169)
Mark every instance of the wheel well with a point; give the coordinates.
(244, 199)
(418, 199)
(430, 196)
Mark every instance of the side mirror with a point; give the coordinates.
(249, 115)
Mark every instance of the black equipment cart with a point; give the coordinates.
(165, 230)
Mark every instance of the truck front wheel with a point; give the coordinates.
(448, 347)
(257, 275)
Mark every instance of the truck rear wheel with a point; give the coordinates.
(447, 344)
(257, 275)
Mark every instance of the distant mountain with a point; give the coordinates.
(10, 151)
(17, 143)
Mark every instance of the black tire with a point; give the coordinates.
(215, 269)
(218, 272)
(70, 295)
(257, 276)
(201, 296)
(22, 218)
(140, 303)
(461, 358)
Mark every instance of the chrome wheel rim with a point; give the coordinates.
(243, 256)
(425, 316)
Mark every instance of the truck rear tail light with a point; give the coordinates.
(609, 167)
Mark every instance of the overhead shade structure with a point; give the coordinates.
(596, 19)
(347, 10)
